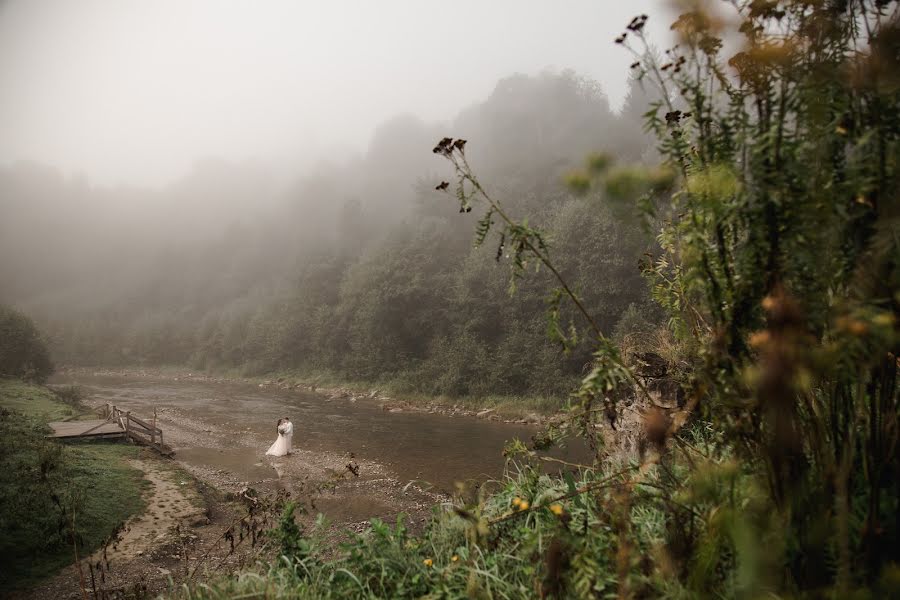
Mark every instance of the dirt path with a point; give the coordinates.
(171, 502)
(150, 546)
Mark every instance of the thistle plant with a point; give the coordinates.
(778, 263)
(780, 255)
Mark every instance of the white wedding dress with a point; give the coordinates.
(282, 445)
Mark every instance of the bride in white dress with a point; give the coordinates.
(282, 445)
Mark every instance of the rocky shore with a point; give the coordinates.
(394, 404)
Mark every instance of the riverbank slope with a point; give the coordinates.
(387, 394)
(125, 512)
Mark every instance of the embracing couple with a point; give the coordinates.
(282, 445)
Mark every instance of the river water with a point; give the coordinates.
(227, 426)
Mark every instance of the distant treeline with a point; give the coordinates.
(362, 269)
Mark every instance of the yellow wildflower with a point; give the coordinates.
(454, 558)
(523, 505)
(516, 501)
(884, 319)
(858, 327)
(759, 338)
(427, 562)
(556, 509)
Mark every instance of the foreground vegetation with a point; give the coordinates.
(778, 270)
(55, 499)
(589, 534)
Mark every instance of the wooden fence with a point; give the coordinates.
(136, 429)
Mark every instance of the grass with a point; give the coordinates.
(34, 401)
(43, 483)
(458, 556)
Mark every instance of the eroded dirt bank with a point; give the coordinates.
(182, 516)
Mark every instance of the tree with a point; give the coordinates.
(23, 353)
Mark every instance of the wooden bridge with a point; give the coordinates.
(117, 423)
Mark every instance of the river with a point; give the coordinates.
(221, 430)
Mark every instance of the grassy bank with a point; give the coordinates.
(44, 484)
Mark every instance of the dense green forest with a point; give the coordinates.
(362, 270)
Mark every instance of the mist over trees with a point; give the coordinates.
(360, 269)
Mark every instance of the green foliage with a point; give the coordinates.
(599, 162)
(778, 252)
(288, 536)
(496, 547)
(43, 485)
(23, 353)
(37, 402)
(578, 182)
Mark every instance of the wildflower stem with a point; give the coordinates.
(461, 165)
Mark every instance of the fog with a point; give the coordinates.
(251, 185)
(135, 91)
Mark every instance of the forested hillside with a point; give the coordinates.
(361, 269)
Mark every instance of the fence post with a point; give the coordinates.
(127, 423)
(153, 430)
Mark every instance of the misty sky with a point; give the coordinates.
(134, 91)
